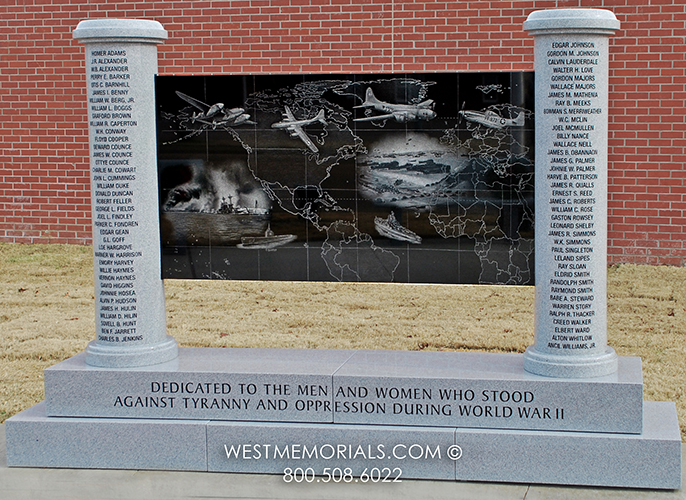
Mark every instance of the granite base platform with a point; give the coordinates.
(356, 414)
(355, 453)
(450, 389)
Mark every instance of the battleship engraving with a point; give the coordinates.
(391, 228)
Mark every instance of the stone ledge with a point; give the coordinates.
(648, 460)
(444, 389)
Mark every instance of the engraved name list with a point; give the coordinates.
(572, 108)
(112, 113)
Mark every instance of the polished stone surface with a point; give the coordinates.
(571, 62)
(648, 460)
(292, 385)
(485, 390)
(97, 30)
(19, 483)
(394, 453)
(34, 440)
(130, 318)
(572, 19)
(374, 387)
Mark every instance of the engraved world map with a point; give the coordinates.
(422, 178)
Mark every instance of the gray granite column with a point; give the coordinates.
(121, 62)
(571, 63)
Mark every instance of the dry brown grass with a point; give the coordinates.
(47, 315)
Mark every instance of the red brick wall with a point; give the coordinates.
(44, 186)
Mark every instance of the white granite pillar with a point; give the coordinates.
(571, 64)
(121, 62)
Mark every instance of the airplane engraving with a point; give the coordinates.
(295, 127)
(399, 112)
(216, 114)
(492, 119)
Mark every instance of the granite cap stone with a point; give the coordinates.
(132, 30)
(600, 21)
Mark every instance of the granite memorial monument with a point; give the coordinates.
(566, 412)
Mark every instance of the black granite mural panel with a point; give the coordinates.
(422, 178)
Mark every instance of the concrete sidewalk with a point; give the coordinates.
(75, 484)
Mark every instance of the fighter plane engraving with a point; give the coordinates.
(216, 114)
(399, 112)
(491, 119)
(295, 127)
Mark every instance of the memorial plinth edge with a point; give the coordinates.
(648, 460)
(443, 389)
